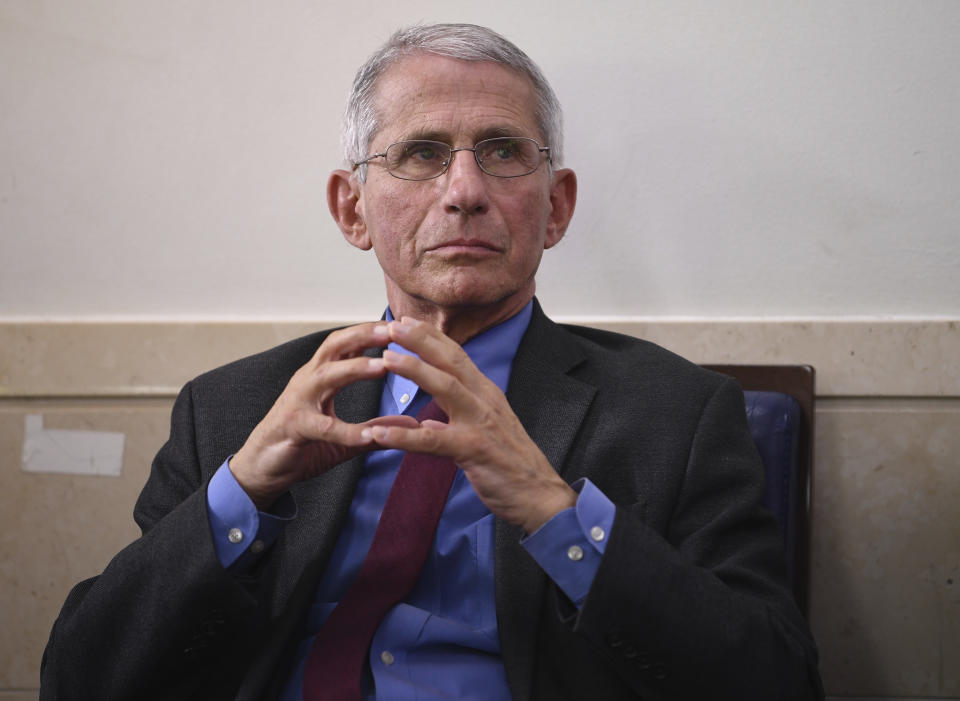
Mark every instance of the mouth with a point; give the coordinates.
(465, 246)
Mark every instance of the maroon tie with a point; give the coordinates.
(403, 537)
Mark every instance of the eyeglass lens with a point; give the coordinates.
(506, 157)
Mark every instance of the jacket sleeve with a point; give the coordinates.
(164, 619)
(697, 606)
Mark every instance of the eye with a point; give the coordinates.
(503, 149)
(421, 151)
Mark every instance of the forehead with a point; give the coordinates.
(430, 96)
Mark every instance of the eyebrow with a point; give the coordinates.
(436, 135)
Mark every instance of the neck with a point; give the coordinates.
(459, 323)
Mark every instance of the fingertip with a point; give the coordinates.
(434, 424)
(392, 330)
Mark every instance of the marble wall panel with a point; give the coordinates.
(885, 594)
(853, 358)
(124, 359)
(56, 529)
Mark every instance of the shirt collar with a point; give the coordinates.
(492, 352)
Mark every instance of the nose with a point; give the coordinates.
(466, 185)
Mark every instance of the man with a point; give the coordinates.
(600, 539)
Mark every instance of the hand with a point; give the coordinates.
(510, 474)
(301, 437)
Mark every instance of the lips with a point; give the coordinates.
(465, 245)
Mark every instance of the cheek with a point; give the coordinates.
(527, 219)
(531, 200)
(392, 219)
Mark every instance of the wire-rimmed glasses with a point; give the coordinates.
(420, 159)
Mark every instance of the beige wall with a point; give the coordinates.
(885, 594)
(808, 149)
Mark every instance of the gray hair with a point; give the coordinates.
(467, 42)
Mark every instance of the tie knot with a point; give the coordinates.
(432, 411)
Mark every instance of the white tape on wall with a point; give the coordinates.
(70, 452)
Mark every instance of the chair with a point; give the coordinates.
(780, 402)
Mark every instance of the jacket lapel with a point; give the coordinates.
(551, 405)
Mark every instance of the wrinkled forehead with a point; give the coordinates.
(429, 96)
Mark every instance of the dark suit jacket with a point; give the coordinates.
(690, 601)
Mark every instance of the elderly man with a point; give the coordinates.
(463, 500)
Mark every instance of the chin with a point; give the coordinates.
(481, 294)
(467, 287)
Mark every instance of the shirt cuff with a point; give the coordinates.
(240, 532)
(570, 546)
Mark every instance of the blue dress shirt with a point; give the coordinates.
(442, 642)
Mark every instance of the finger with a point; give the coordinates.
(324, 381)
(400, 420)
(447, 390)
(433, 437)
(435, 348)
(330, 429)
(352, 341)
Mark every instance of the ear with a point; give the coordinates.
(563, 199)
(343, 199)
